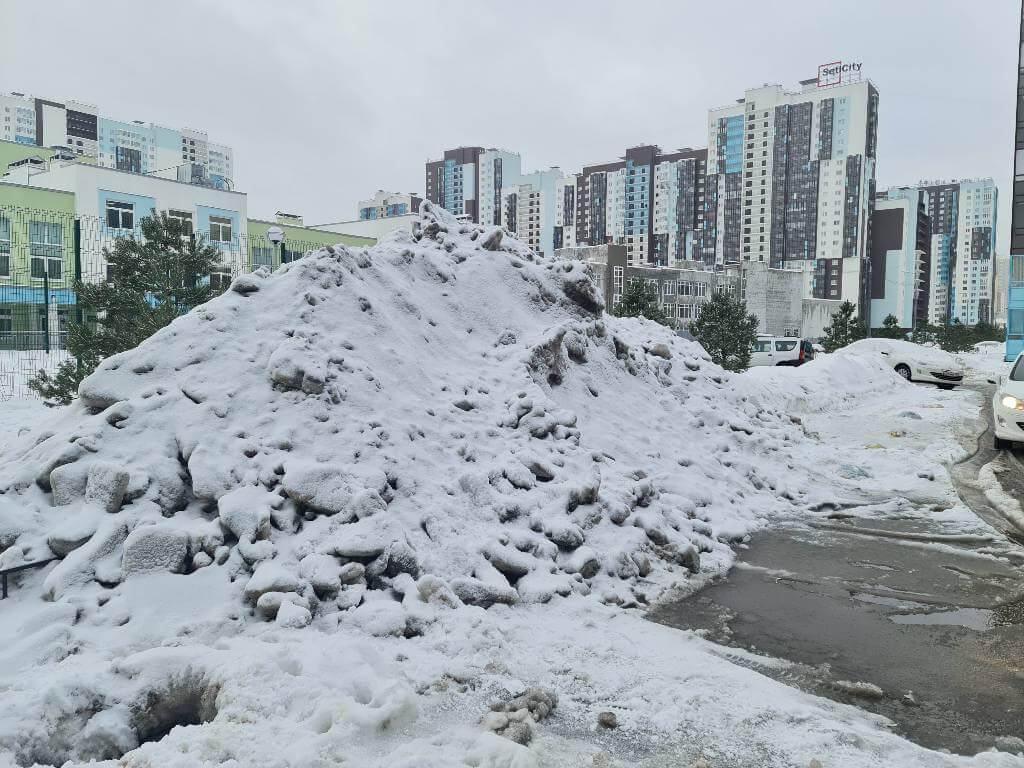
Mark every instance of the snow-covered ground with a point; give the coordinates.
(986, 361)
(406, 507)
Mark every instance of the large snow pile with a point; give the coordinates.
(399, 442)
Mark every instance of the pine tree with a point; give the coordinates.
(149, 282)
(890, 329)
(953, 336)
(923, 333)
(844, 328)
(640, 299)
(726, 331)
(986, 331)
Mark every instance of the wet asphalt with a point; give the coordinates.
(933, 625)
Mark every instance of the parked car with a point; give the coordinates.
(781, 350)
(1008, 406)
(914, 362)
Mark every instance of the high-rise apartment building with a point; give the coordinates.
(962, 219)
(528, 209)
(488, 186)
(385, 205)
(790, 181)
(453, 181)
(649, 201)
(135, 146)
(565, 211)
(972, 281)
(500, 171)
(900, 258)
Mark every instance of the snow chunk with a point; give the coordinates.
(245, 512)
(82, 565)
(484, 594)
(293, 366)
(293, 616)
(74, 530)
(326, 488)
(158, 547)
(270, 577)
(106, 485)
(380, 618)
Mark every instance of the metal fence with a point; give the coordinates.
(44, 253)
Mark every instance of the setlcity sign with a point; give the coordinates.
(838, 72)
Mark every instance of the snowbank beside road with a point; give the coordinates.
(986, 361)
(829, 382)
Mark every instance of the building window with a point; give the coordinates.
(220, 229)
(5, 247)
(120, 215)
(184, 218)
(6, 326)
(262, 256)
(220, 280)
(46, 246)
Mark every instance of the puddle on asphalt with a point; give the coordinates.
(978, 619)
(891, 602)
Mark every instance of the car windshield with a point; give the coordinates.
(785, 346)
(1017, 374)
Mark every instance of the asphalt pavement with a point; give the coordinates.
(890, 614)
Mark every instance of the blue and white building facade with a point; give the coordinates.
(386, 205)
(132, 146)
(963, 216)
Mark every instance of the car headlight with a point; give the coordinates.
(1011, 402)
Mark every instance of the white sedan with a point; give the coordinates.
(1008, 406)
(915, 362)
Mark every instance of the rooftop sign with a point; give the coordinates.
(838, 73)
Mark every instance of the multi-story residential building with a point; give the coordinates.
(900, 258)
(682, 288)
(499, 172)
(385, 205)
(565, 211)
(962, 220)
(488, 186)
(133, 146)
(791, 177)
(528, 209)
(649, 201)
(972, 281)
(453, 182)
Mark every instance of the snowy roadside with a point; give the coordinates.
(401, 510)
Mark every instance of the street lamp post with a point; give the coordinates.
(276, 235)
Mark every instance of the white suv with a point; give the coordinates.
(781, 350)
(1008, 406)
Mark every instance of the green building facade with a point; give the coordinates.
(298, 240)
(37, 266)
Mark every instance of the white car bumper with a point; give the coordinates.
(1009, 422)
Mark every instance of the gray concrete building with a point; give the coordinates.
(682, 288)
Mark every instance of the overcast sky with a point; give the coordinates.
(326, 102)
